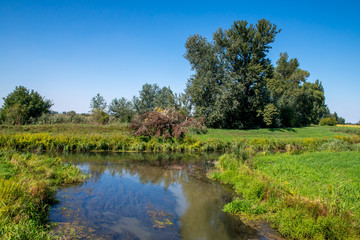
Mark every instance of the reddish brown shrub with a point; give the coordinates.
(167, 123)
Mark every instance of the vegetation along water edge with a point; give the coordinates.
(27, 189)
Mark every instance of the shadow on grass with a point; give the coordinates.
(282, 130)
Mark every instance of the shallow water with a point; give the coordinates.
(146, 196)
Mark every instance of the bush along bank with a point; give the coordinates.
(305, 196)
(127, 143)
(27, 186)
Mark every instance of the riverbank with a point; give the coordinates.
(305, 196)
(118, 139)
(27, 186)
(267, 167)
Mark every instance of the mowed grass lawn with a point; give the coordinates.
(284, 133)
(226, 135)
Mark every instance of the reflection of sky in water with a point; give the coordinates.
(133, 200)
(181, 204)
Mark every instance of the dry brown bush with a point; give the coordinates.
(167, 123)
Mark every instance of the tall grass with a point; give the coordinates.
(128, 143)
(27, 186)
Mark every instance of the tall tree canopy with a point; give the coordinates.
(236, 86)
(23, 105)
(298, 102)
(229, 84)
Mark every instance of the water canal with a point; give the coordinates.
(147, 196)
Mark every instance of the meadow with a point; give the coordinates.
(304, 181)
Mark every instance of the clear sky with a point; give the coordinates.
(70, 50)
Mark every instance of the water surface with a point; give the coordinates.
(146, 196)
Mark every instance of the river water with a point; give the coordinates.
(147, 196)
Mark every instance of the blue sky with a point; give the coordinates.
(70, 50)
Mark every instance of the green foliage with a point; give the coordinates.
(228, 86)
(243, 206)
(152, 96)
(270, 115)
(235, 85)
(98, 103)
(23, 105)
(100, 116)
(122, 109)
(299, 103)
(26, 193)
(329, 121)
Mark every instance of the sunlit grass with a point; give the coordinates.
(306, 196)
(27, 186)
(278, 133)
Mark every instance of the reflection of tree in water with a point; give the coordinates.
(203, 217)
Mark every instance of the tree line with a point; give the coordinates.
(234, 85)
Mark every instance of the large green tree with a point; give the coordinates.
(229, 84)
(22, 106)
(298, 102)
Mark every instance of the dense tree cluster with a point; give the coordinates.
(236, 86)
(151, 96)
(23, 106)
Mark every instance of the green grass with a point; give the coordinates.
(226, 135)
(272, 133)
(27, 186)
(306, 196)
(318, 176)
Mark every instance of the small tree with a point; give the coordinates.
(121, 109)
(23, 105)
(98, 103)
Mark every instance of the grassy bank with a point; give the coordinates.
(305, 196)
(303, 180)
(116, 138)
(27, 186)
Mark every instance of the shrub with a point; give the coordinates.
(101, 117)
(166, 123)
(329, 121)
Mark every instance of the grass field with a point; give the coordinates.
(274, 133)
(306, 196)
(220, 134)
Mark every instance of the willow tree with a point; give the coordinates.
(229, 84)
